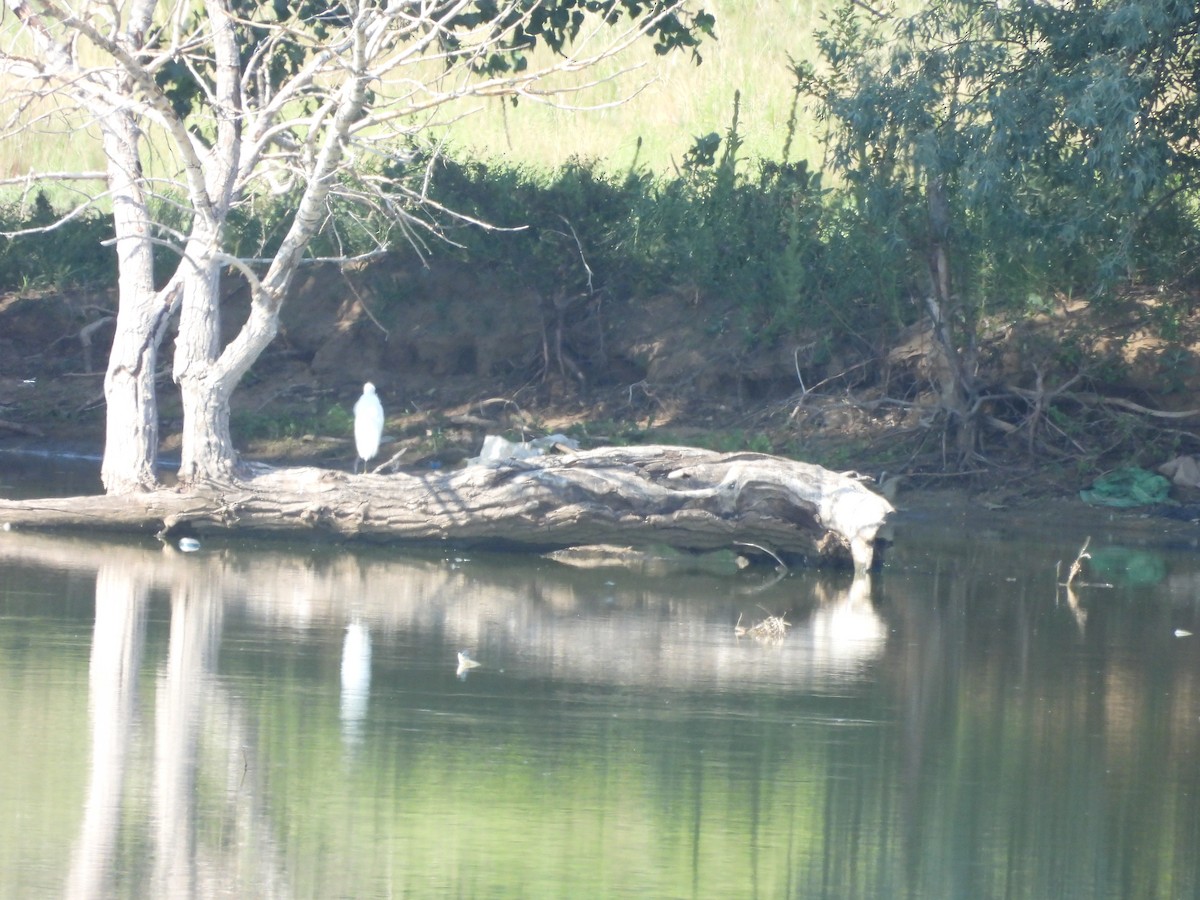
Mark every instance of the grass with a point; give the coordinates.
(290, 423)
(676, 101)
(680, 100)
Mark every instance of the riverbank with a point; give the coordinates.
(455, 360)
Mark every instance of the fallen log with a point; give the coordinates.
(682, 497)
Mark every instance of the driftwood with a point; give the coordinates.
(681, 497)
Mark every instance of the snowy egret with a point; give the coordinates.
(368, 425)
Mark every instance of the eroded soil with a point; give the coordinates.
(454, 359)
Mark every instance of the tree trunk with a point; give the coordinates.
(954, 387)
(207, 451)
(679, 497)
(131, 437)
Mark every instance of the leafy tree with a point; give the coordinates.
(207, 109)
(1011, 145)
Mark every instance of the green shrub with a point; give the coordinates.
(73, 253)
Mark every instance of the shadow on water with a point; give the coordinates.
(259, 720)
(26, 474)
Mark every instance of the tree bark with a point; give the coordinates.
(207, 451)
(131, 436)
(637, 496)
(954, 385)
(679, 497)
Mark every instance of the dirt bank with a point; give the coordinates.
(454, 359)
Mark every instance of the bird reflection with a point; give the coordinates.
(356, 679)
(465, 664)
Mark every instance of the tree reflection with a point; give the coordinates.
(184, 698)
(117, 641)
(190, 710)
(939, 732)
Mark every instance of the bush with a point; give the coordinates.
(71, 254)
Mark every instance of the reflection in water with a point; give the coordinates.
(946, 731)
(465, 665)
(356, 679)
(187, 708)
(112, 701)
(180, 711)
(844, 633)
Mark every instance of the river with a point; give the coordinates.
(292, 719)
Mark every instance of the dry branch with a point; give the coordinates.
(1077, 566)
(769, 630)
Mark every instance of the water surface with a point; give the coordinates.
(279, 720)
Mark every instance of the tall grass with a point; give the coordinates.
(675, 100)
(39, 134)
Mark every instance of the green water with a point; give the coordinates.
(289, 721)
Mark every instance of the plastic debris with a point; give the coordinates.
(1127, 487)
(496, 448)
(1183, 471)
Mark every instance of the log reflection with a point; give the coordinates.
(601, 626)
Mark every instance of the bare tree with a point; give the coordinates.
(207, 107)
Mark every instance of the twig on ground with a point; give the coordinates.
(358, 298)
(390, 464)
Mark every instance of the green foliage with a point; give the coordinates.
(763, 243)
(255, 26)
(610, 433)
(515, 30)
(334, 421)
(1059, 136)
(66, 255)
(524, 25)
(337, 421)
(735, 440)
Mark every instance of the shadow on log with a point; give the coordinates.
(681, 497)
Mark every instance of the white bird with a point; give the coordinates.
(368, 425)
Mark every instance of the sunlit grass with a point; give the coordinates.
(675, 100)
(680, 100)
